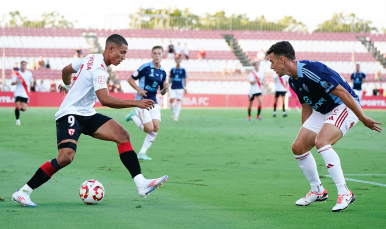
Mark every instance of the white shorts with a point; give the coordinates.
(359, 93)
(341, 117)
(176, 94)
(148, 116)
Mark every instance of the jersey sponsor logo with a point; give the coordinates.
(71, 132)
(326, 85)
(148, 88)
(90, 62)
(101, 80)
(317, 105)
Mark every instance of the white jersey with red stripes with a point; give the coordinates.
(20, 90)
(280, 82)
(258, 78)
(91, 76)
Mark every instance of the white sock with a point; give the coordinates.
(172, 107)
(26, 188)
(137, 122)
(148, 142)
(139, 180)
(274, 112)
(307, 164)
(178, 109)
(332, 161)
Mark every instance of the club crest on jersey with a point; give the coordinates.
(152, 73)
(101, 80)
(305, 88)
(71, 132)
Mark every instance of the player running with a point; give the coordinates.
(281, 84)
(178, 79)
(336, 109)
(77, 115)
(357, 78)
(22, 80)
(255, 79)
(151, 76)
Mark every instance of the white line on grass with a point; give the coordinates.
(363, 181)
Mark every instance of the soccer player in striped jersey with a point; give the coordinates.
(151, 76)
(281, 84)
(22, 80)
(330, 109)
(255, 79)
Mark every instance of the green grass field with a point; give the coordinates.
(224, 172)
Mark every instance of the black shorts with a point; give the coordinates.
(71, 126)
(251, 97)
(21, 99)
(278, 93)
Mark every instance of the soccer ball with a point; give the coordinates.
(91, 192)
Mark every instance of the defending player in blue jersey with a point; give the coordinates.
(178, 81)
(336, 109)
(151, 77)
(358, 77)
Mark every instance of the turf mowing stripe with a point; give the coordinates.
(362, 181)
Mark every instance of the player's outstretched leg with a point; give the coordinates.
(274, 109)
(329, 135)
(172, 108)
(304, 142)
(45, 172)
(112, 131)
(250, 108)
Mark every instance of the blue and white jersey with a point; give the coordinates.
(149, 80)
(178, 75)
(315, 83)
(358, 80)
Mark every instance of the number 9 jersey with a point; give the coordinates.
(91, 76)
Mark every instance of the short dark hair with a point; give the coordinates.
(282, 48)
(158, 47)
(117, 40)
(23, 61)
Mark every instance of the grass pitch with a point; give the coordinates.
(224, 172)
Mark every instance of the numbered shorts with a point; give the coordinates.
(341, 117)
(252, 96)
(147, 116)
(71, 126)
(176, 94)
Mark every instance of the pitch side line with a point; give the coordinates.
(362, 181)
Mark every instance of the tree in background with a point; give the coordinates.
(178, 19)
(342, 22)
(48, 20)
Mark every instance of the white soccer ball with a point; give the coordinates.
(91, 192)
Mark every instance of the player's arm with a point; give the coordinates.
(141, 92)
(15, 80)
(67, 73)
(106, 100)
(353, 105)
(164, 87)
(306, 112)
(185, 91)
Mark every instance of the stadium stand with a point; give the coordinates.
(337, 50)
